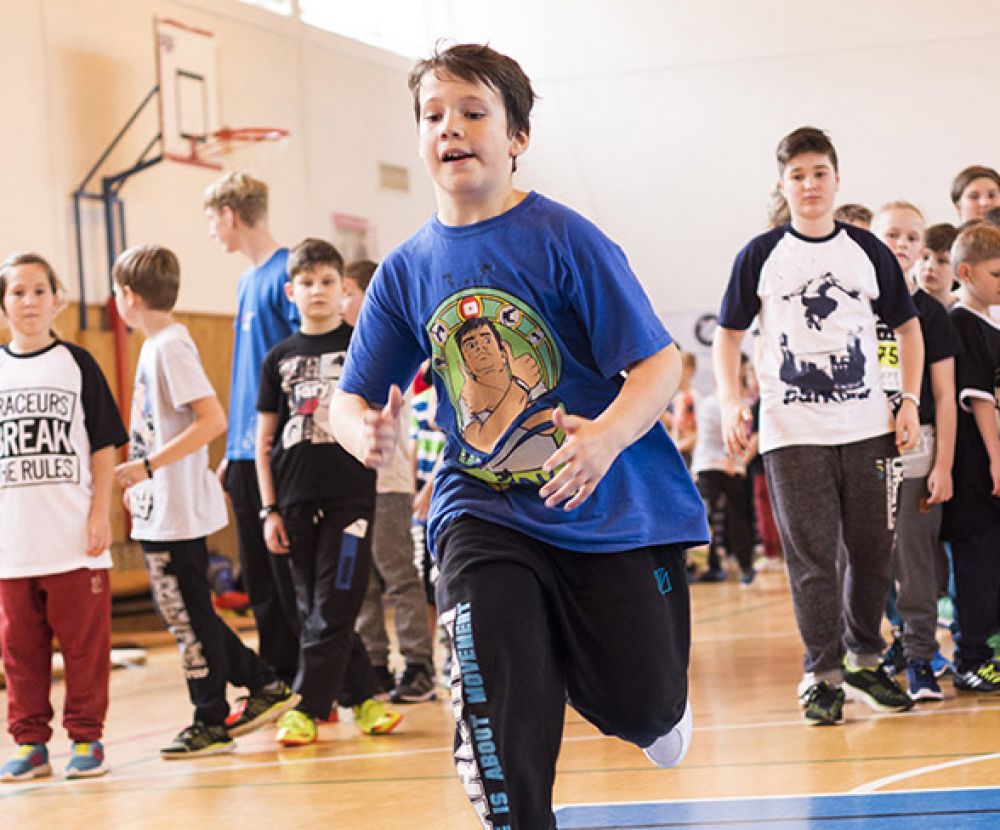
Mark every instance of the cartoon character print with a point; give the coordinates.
(141, 444)
(834, 369)
(308, 382)
(499, 363)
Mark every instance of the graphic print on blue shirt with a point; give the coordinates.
(832, 374)
(498, 362)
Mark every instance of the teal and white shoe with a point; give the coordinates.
(29, 761)
(86, 760)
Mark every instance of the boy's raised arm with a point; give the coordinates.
(592, 445)
(369, 434)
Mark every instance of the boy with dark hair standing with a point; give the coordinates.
(826, 433)
(176, 502)
(236, 207)
(933, 271)
(319, 502)
(972, 517)
(560, 577)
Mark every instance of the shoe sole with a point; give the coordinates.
(878, 706)
(214, 749)
(926, 694)
(43, 771)
(383, 729)
(97, 772)
(296, 741)
(421, 698)
(267, 716)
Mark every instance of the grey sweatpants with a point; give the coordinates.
(822, 494)
(914, 562)
(392, 554)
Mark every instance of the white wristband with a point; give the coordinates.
(909, 396)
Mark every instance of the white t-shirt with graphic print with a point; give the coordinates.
(816, 301)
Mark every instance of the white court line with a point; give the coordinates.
(878, 783)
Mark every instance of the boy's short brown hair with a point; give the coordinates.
(805, 140)
(312, 252)
(152, 272)
(976, 244)
(16, 259)
(361, 272)
(939, 238)
(478, 63)
(969, 175)
(854, 214)
(241, 193)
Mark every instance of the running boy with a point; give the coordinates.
(60, 427)
(972, 518)
(318, 502)
(236, 207)
(175, 502)
(826, 429)
(561, 511)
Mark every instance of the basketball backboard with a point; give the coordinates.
(189, 95)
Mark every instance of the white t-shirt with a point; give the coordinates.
(816, 301)
(55, 411)
(183, 500)
(710, 449)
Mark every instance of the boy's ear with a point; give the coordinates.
(289, 290)
(519, 143)
(962, 271)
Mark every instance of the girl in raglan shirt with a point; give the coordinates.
(59, 427)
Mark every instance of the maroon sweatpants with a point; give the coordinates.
(76, 608)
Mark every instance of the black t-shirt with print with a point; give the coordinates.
(973, 509)
(297, 381)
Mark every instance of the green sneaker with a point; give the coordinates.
(877, 689)
(823, 704)
(197, 741)
(373, 718)
(296, 728)
(994, 643)
(260, 708)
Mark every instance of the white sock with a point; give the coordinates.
(669, 750)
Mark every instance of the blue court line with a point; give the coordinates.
(959, 809)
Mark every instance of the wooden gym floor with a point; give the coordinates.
(749, 742)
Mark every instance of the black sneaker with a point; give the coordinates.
(823, 704)
(415, 686)
(984, 678)
(877, 689)
(261, 707)
(385, 683)
(197, 740)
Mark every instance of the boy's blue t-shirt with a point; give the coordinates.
(264, 318)
(524, 312)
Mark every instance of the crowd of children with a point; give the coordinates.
(535, 498)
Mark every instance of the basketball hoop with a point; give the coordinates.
(228, 140)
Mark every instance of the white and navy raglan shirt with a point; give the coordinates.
(816, 300)
(55, 411)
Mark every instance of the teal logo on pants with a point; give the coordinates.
(663, 580)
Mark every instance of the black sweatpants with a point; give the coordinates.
(727, 502)
(533, 626)
(211, 654)
(331, 557)
(267, 578)
(977, 596)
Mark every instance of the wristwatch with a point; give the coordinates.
(267, 510)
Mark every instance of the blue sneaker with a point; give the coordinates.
(941, 665)
(86, 760)
(921, 681)
(29, 761)
(712, 575)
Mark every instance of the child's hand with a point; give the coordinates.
(422, 501)
(995, 475)
(584, 457)
(907, 426)
(130, 473)
(737, 423)
(126, 501)
(381, 430)
(98, 533)
(275, 534)
(939, 486)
